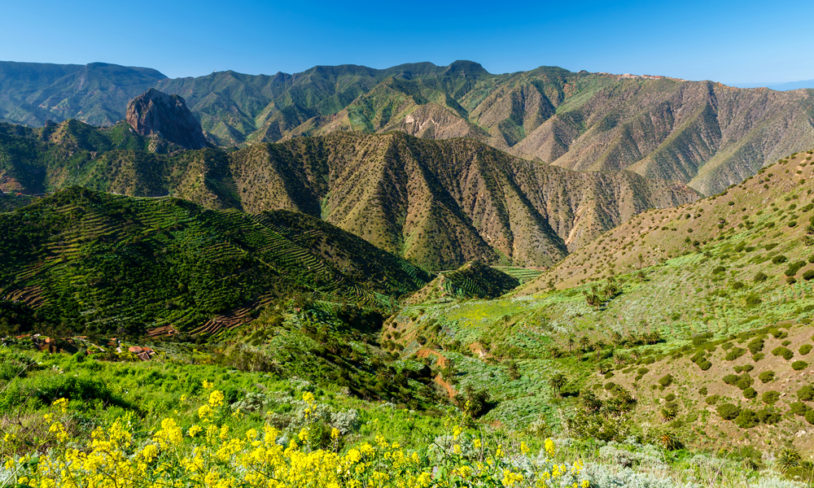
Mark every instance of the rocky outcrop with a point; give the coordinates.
(166, 116)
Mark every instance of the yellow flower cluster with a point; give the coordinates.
(209, 455)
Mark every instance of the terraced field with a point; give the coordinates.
(91, 262)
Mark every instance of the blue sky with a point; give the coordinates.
(734, 42)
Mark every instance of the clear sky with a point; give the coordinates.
(730, 41)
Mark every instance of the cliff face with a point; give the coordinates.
(166, 116)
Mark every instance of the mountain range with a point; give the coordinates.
(438, 203)
(704, 134)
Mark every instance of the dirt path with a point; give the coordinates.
(442, 362)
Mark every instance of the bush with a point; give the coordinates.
(809, 416)
(779, 333)
(794, 268)
(753, 300)
(735, 353)
(766, 376)
(759, 277)
(770, 397)
(768, 416)
(808, 275)
(784, 352)
(728, 411)
(666, 380)
(806, 393)
(798, 365)
(805, 349)
(730, 379)
(779, 259)
(744, 381)
(669, 411)
(704, 364)
(746, 419)
(474, 403)
(798, 408)
(755, 345)
(749, 393)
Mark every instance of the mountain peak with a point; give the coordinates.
(166, 116)
(467, 68)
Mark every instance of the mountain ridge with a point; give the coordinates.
(440, 203)
(702, 133)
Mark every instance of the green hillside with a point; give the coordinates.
(472, 280)
(650, 325)
(401, 193)
(84, 261)
(705, 134)
(96, 93)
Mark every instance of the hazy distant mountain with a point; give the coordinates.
(96, 93)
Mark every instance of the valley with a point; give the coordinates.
(415, 276)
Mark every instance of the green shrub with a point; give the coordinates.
(730, 379)
(809, 416)
(735, 353)
(759, 277)
(755, 345)
(806, 393)
(728, 411)
(753, 300)
(712, 399)
(749, 393)
(805, 349)
(808, 275)
(669, 411)
(766, 376)
(666, 380)
(783, 352)
(744, 381)
(798, 365)
(798, 408)
(768, 416)
(746, 419)
(794, 268)
(779, 333)
(779, 259)
(770, 397)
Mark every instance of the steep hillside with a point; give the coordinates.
(701, 133)
(472, 280)
(90, 262)
(437, 203)
(771, 207)
(96, 93)
(652, 329)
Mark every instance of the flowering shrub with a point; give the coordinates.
(209, 453)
